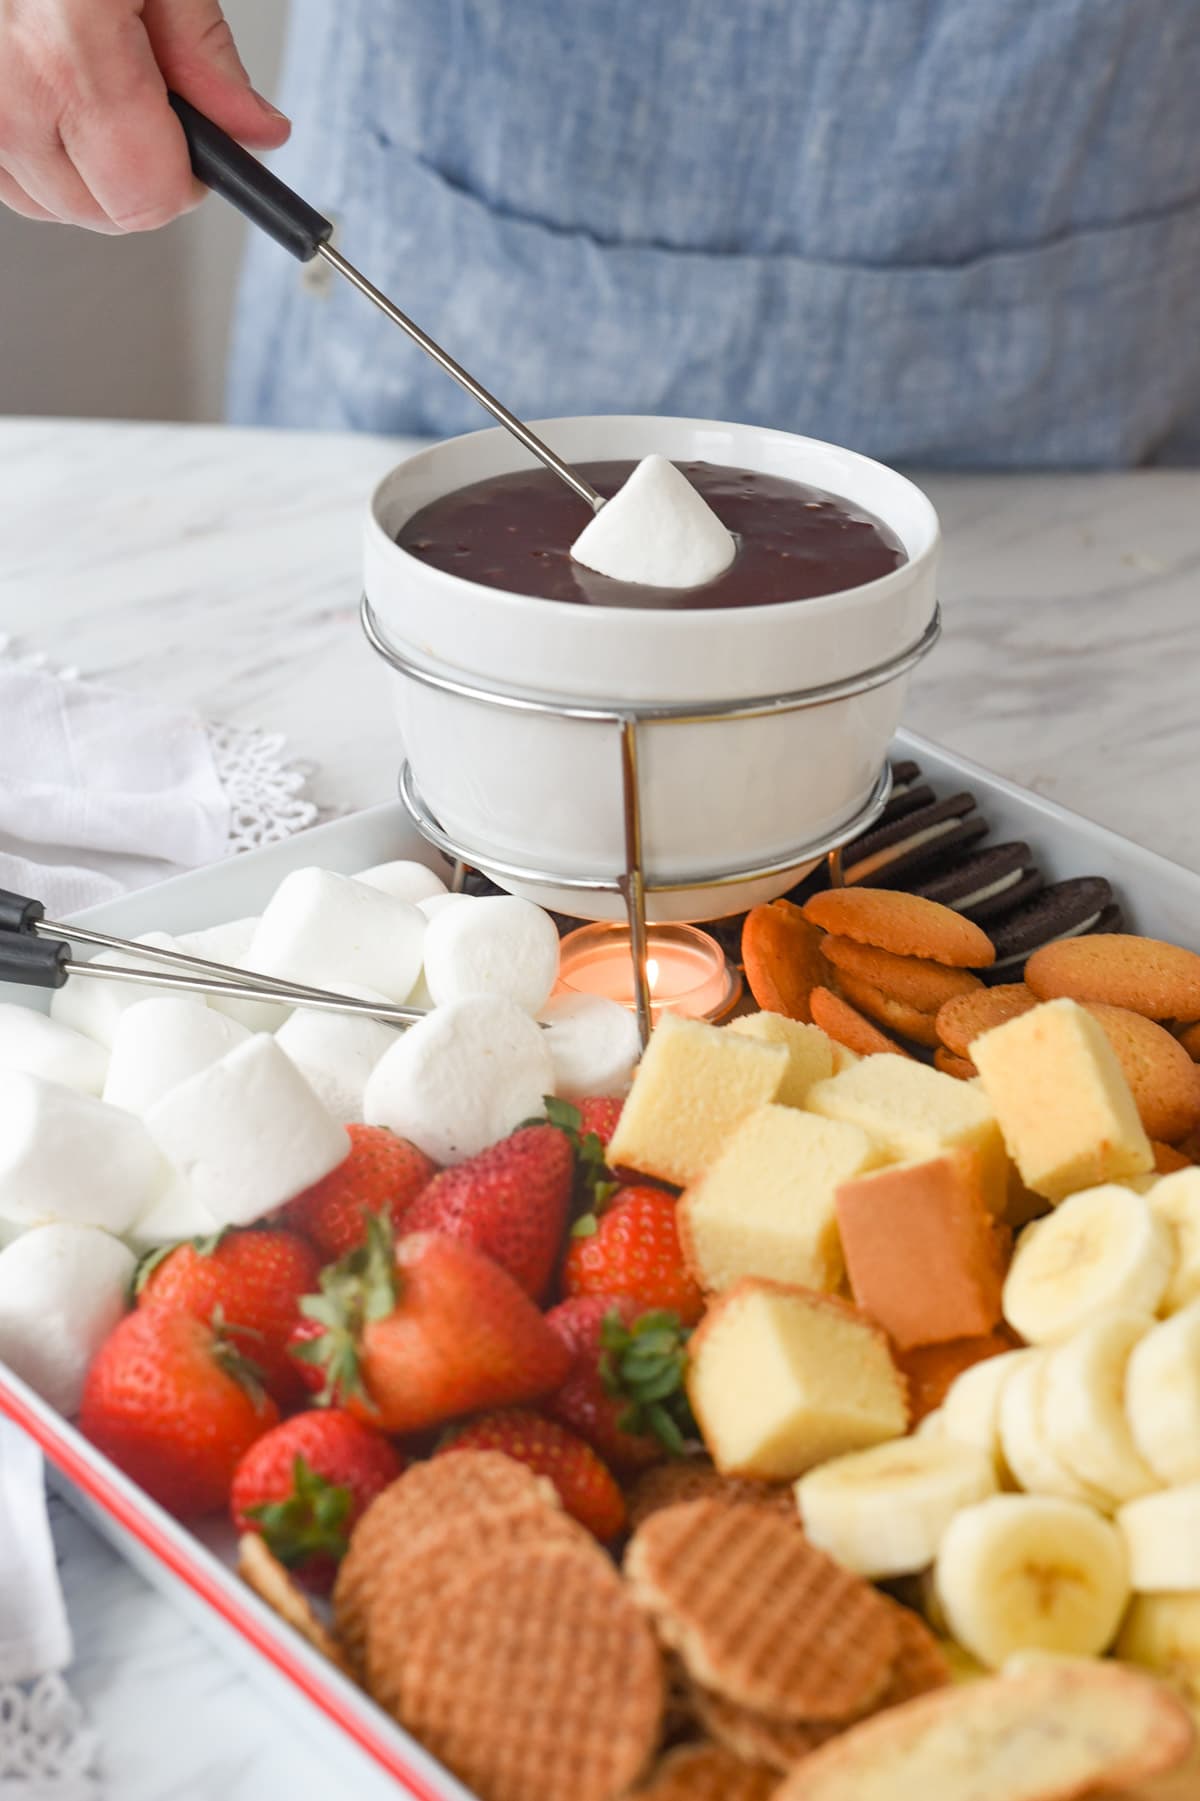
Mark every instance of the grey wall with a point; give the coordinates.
(128, 327)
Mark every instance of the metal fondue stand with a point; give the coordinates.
(624, 719)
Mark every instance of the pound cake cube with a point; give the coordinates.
(1066, 1111)
(810, 1052)
(914, 1113)
(766, 1206)
(924, 1254)
(694, 1086)
(783, 1378)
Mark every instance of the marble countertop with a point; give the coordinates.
(221, 570)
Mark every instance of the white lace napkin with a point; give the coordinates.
(46, 1750)
(103, 791)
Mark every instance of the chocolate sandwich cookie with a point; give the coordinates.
(988, 883)
(1063, 910)
(889, 854)
(908, 793)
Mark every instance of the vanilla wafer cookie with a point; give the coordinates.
(696, 1479)
(426, 1494)
(706, 1773)
(272, 1583)
(536, 1677)
(416, 1578)
(760, 1615)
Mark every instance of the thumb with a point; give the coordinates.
(196, 53)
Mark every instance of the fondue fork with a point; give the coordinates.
(229, 170)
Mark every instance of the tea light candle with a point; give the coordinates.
(686, 969)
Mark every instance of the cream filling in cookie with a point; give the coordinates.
(893, 852)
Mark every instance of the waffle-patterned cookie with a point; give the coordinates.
(759, 1615)
(696, 1479)
(920, 1666)
(756, 1737)
(536, 1677)
(707, 1773)
(272, 1583)
(426, 1494)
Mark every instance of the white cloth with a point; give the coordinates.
(103, 791)
(46, 1751)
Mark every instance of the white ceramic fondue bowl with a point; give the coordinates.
(544, 793)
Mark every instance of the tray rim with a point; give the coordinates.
(180, 1553)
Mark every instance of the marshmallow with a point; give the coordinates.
(656, 530)
(63, 1288)
(462, 1079)
(66, 1156)
(440, 903)
(32, 1041)
(160, 1044)
(335, 1053)
(403, 881)
(229, 943)
(328, 931)
(93, 1007)
(177, 1214)
(247, 1133)
(501, 946)
(594, 1044)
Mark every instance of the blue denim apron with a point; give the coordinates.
(939, 231)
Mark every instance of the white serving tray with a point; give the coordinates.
(195, 1569)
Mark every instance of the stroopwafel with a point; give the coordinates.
(696, 1479)
(707, 1773)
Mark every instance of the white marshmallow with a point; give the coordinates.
(462, 1079)
(247, 1133)
(229, 943)
(66, 1156)
(439, 903)
(403, 881)
(160, 1044)
(328, 931)
(93, 1007)
(175, 1215)
(500, 945)
(335, 1053)
(42, 1046)
(656, 530)
(594, 1044)
(63, 1288)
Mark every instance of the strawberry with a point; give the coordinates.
(252, 1282)
(382, 1174)
(511, 1202)
(586, 1487)
(171, 1400)
(309, 1371)
(305, 1485)
(632, 1248)
(625, 1392)
(599, 1116)
(424, 1329)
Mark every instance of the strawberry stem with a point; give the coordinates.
(358, 1290)
(312, 1520)
(595, 1184)
(646, 1364)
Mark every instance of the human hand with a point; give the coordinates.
(87, 136)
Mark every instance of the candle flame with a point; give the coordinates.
(652, 973)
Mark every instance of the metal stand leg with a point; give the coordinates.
(837, 878)
(458, 877)
(633, 882)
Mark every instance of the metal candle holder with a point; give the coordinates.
(625, 718)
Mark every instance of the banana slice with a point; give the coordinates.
(1162, 1633)
(1083, 1408)
(1162, 1396)
(1162, 1537)
(1026, 1446)
(1104, 1248)
(882, 1512)
(1175, 1200)
(971, 1410)
(932, 1426)
(1024, 1572)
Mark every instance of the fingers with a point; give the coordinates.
(199, 59)
(15, 197)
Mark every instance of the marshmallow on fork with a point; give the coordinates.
(594, 1045)
(500, 946)
(160, 1044)
(656, 530)
(323, 930)
(63, 1288)
(229, 944)
(462, 1078)
(247, 1133)
(66, 1156)
(43, 1047)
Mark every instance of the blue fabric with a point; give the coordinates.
(939, 231)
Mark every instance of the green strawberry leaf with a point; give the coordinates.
(594, 1181)
(229, 1356)
(362, 1288)
(150, 1260)
(312, 1520)
(646, 1365)
(586, 1226)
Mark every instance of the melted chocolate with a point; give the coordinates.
(515, 532)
